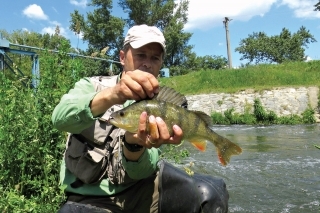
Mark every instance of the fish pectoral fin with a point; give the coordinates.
(200, 145)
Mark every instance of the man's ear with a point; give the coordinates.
(122, 57)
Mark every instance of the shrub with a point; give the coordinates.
(31, 149)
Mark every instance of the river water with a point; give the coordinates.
(278, 171)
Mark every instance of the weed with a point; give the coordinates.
(261, 116)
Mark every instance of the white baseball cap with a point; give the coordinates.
(141, 35)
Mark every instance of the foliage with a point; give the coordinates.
(150, 12)
(211, 62)
(196, 63)
(34, 39)
(178, 50)
(261, 116)
(31, 148)
(22, 64)
(99, 28)
(317, 6)
(51, 43)
(169, 16)
(308, 116)
(257, 77)
(174, 153)
(258, 47)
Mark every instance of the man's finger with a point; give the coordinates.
(177, 135)
(143, 124)
(153, 128)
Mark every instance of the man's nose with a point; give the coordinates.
(147, 63)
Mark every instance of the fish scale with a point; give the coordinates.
(194, 124)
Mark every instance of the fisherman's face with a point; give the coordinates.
(147, 58)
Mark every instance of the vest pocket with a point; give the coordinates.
(85, 161)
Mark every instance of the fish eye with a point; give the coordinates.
(121, 113)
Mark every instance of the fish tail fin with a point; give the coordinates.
(225, 149)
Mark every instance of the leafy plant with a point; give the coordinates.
(31, 149)
(261, 116)
(308, 116)
(287, 46)
(174, 153)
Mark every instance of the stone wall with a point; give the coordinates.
(282, 101)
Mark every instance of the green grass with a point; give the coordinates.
(257, 77)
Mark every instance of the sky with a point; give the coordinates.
(205, 21)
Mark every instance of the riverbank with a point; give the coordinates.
(283, 101)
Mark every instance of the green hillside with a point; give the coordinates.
(256, 77)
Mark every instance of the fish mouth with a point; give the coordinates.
(114, 122)
(122, 126)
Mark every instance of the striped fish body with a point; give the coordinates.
(171, 114)
(195, 124)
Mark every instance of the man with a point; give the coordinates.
(106, 169)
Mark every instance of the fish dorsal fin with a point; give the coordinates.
(203, 116)
(168, 94)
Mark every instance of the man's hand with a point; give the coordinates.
(136, 85)
(133, 85)
(158, 133)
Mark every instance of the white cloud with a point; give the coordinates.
(205, 14)
(34, 11)
(307, 58)
(302, 8)
(79, 3)
(55, 23)
(81, 35)
(26, 30)
(52, 29)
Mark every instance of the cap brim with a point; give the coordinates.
(140, 43)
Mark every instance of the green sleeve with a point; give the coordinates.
(73, 113)
(144, 167)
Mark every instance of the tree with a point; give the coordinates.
(100, 28)
(167, 15)
(150, 12)
(33, 39)
(317, 6)
(258, 47)
(77, 24)
(212, 62)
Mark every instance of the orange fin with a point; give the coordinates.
(226, 149)
(200, 145)
(221, 159)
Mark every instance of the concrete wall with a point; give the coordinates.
(282, 101)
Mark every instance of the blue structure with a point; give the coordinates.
(164, 72)
(6, 61)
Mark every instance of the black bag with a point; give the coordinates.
(180, 192)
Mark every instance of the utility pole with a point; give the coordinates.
(225, 22)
